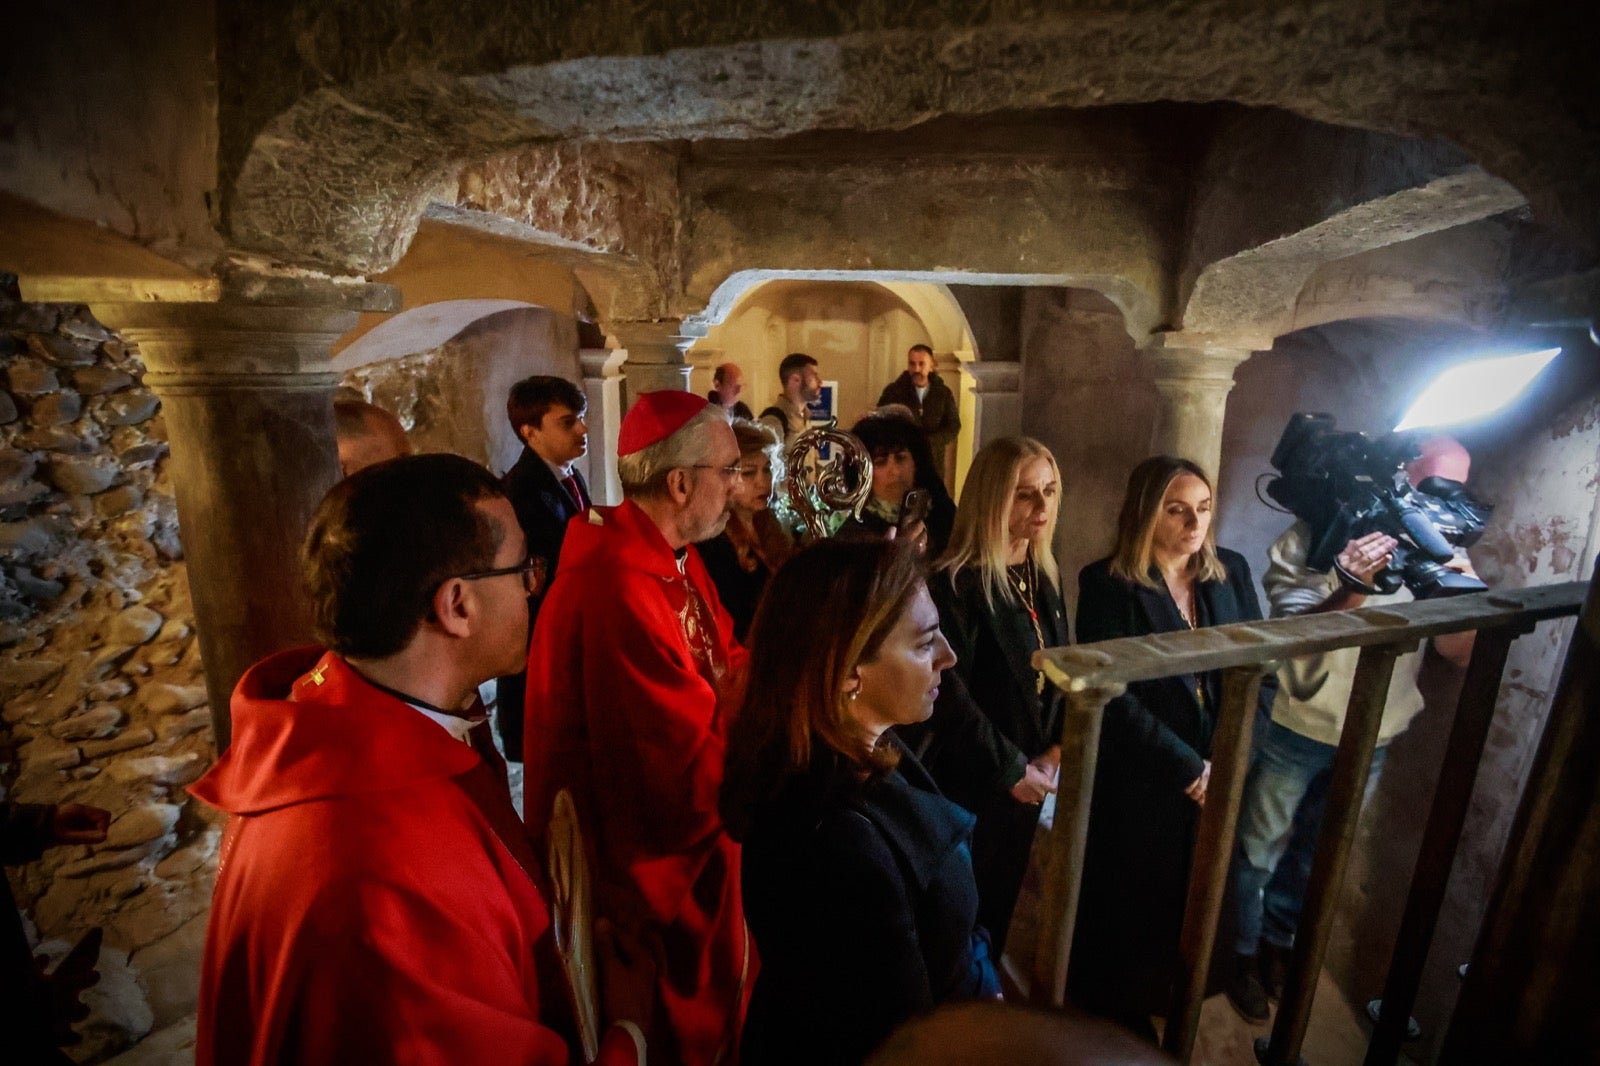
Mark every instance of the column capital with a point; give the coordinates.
(598, 364)
(1197, 365)
(995, 377)
(651, 342)
(265, 331)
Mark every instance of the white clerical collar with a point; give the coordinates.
(460, 728)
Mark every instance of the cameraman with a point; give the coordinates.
(1287, 785)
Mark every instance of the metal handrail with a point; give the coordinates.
(1093, 675)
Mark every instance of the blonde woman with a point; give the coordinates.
(1166, 575)
(999, 602)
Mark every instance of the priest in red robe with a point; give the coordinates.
(377, 898)
(631, 675)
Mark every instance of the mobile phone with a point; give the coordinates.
(914, 508)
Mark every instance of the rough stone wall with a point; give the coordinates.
(100, 676)
(1540, 465)
(1088, 397)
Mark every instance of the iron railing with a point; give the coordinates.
(1092, 675)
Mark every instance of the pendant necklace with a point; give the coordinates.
(1022, 578)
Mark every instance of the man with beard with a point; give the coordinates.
(631, 677)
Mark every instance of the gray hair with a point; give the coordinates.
(644, 472)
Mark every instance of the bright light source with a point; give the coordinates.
(1474, 390)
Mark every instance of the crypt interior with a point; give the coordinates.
(1124, 230)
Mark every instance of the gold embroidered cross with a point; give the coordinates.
(316, 675)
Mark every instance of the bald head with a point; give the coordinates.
(1441, 457)
(367, 435)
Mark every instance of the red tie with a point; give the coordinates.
(571, 482)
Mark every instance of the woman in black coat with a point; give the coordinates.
(857, 875)
(1166, 575)
(999, 602)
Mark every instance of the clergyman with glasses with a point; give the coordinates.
(630, 678)
(379, 900)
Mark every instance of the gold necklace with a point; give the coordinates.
(1021, 582)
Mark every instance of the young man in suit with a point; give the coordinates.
(546, 413)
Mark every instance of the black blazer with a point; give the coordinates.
(994, 648)
(1159, 730)
(862, 903)
(543, 505)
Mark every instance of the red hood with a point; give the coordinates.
(307, 727)
(617, 536)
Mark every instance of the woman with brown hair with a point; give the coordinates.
(1166, 575)
(857, 873)
(999, 601)
(744, 555)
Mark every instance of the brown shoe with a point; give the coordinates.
(1245, 991)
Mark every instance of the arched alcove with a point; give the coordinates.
(445, 369)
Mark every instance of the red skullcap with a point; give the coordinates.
(655, 416)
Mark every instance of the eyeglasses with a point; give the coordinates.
(730, 472)
(532, 573)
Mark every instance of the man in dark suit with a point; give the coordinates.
(547, 414)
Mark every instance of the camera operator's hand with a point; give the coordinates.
(1363, 559)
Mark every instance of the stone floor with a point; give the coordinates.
(1337, 1035)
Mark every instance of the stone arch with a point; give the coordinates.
(1139, 307)
(340, 176)
(445, 368)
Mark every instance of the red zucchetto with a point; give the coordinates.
(655, 416)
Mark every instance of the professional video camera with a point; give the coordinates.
(1346, 485)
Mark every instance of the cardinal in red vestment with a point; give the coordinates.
(377, 898)
(631, 674)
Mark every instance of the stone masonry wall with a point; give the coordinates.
(100, 676)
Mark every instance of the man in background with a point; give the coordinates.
(727, 384)
(801, 385)
(931, 402)
(366, 433)
(547, 415)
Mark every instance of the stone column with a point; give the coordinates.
(246, 386)
(602, 385)
(1193, 384)
(654, 354)
(991, 409)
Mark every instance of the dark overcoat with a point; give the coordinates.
(861, 900)
(1153, 743)
(994, 646)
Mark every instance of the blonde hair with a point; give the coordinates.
(1134, 555)
(981, 537)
